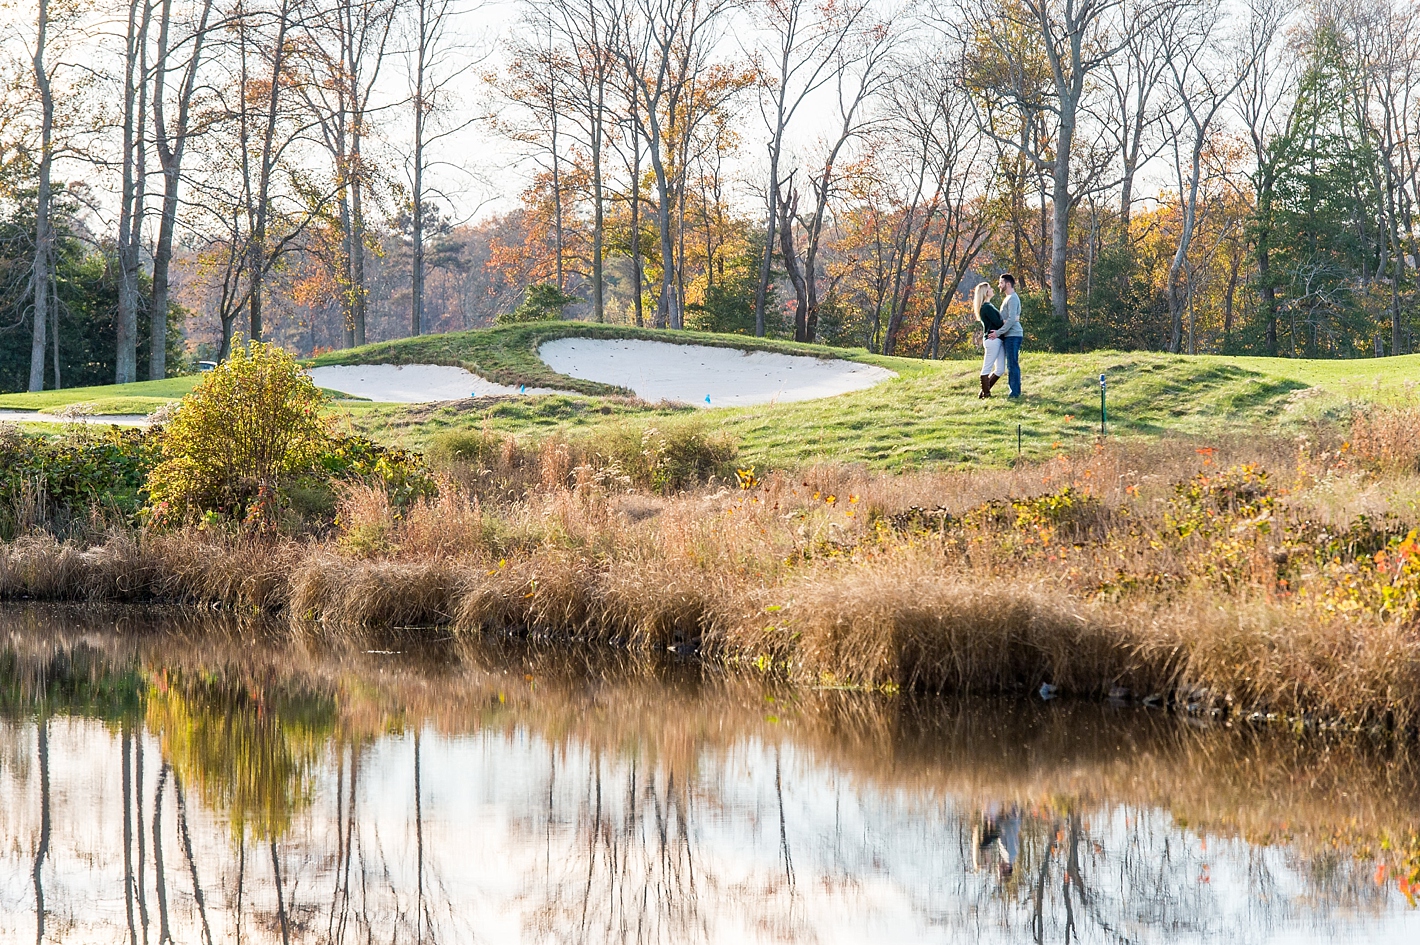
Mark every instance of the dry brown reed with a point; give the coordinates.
(1388, 436)
(932, 581)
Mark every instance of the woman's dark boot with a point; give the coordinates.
(989, 382)
(985, 388)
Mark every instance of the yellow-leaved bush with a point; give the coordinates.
(249, 424)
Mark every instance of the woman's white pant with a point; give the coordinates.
(993, 360)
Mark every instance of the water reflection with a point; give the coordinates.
(207, 784)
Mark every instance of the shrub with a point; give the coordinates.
(247, 426)
(482, 449)
(1214, 504)
(405, 476)
(667, 459)
(543, 302)
(664, 459)
(1384, 436)
(53, 480)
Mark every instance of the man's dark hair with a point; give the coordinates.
(1009, 278)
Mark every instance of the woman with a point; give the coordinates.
(993, 360)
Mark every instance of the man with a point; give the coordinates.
(1010, 331)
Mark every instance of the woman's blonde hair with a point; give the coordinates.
(979, 295)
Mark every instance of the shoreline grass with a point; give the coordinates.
(926, 418)
(1144, 571)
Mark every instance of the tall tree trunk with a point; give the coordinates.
(357, 247)
(41, 272)
(126, 347)
(766, 261)
(666, 312)
(170, 147)
(636, 268)
(598, 208)
(788, 207)
(1060, 213)
(416, 281)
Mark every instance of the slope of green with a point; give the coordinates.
(508, 354)
(109, 397)
(931, 415)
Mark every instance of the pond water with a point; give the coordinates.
(198, 782)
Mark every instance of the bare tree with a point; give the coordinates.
(130, 216)
(1203, 81)
(938, 109)
(254, 197)
(860, 76)
(666, 53)
(349, 42)
(807, 41)
(436, 64)
(585, 35)
(170, 141)
(1260, 106)
(1076, 39)
(1133, 113)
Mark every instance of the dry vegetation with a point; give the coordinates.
(1171, 571)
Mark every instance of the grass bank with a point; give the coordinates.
(1234, 575)
(932, 418)
(926, 418)
(106, 400)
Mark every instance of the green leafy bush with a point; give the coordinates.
(247, 427)
(543, 302)
(50, 481)
(404, 475)
(1214, 504)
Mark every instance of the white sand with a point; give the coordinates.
(36, 416)
(658, 370)
(411, 383)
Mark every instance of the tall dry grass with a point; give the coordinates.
(1146, 570)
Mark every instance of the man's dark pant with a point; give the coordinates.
(1012, 346)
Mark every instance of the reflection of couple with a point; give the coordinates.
(997, 837)
(1000, 335)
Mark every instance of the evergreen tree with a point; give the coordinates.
(1318, 218)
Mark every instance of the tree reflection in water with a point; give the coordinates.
(323, 794)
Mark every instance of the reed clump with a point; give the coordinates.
(1262, 575)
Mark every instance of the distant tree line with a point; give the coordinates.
(1182, 175)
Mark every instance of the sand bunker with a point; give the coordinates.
(657, 370)
(411, 383)
(38, 416)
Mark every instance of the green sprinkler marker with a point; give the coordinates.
(1102, 410)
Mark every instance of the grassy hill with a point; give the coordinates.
(108, 400)
(928, 415)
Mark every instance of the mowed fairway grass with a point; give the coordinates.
(109, 400)
(928, 415)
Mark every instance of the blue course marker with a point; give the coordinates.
(522, 388)
(707, 399)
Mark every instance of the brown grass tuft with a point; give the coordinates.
(1160, 571)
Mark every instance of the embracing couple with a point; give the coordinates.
(1000, 334)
